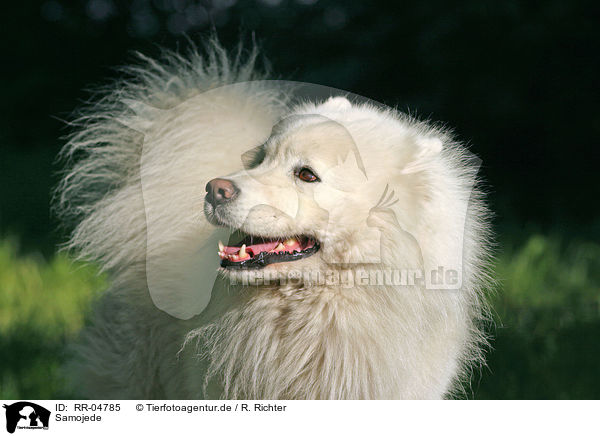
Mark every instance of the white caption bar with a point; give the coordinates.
(284, 418)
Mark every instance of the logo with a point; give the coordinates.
(26, 415)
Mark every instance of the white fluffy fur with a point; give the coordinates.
(287, 341)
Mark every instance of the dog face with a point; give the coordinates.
(304, 200)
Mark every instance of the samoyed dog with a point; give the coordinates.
(265, 243)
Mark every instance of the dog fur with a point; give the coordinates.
(282, 340)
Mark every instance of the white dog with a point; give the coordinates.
(357, 265)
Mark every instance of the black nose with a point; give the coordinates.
(219, 191)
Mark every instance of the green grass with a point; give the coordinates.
(547, 314)
(42, 306)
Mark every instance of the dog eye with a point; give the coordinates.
(306, 175)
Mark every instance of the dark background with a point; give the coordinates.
(517, 80)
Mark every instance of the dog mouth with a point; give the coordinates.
(258, 252)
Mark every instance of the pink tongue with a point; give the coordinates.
(255, 248)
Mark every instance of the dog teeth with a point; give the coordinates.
(242, 253)
(221, 246)
(280, 247)
(291, 241)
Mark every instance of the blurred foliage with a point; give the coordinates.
(42, 306)
(547, 315)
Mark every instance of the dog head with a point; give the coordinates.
(322, 191)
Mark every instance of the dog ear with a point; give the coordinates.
(337, 104)
(421, 150)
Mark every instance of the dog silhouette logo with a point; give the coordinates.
(26, 415)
